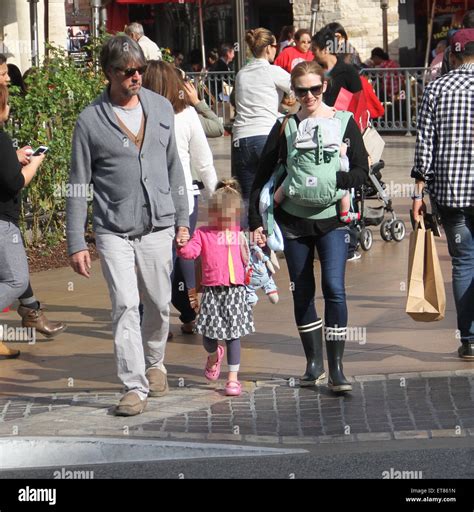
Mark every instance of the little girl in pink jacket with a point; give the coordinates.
(224, 314)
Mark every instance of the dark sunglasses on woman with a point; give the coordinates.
(315, 90)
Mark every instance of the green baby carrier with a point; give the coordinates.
(310, 187)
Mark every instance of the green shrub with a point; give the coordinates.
(58, 91)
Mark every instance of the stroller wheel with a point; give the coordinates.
(385, 230)
(398, 230)
(366, 239)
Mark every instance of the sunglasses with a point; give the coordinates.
(316, 90)
(129, 72)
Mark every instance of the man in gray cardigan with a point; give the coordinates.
(124, 148)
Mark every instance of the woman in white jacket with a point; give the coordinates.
(259, 90)
(196, 157)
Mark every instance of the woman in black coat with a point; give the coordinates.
(306, 229)
(13, 177)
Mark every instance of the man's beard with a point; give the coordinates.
(129, 93)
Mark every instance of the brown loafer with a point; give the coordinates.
(130, 405)
(157, 381)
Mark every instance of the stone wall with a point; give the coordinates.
(362, 20)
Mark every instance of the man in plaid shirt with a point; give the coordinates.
(444, 163)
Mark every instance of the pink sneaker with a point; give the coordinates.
(212, 372)
(233, 388)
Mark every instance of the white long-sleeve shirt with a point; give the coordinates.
(194, 150)
(259, 88)
(150, 48)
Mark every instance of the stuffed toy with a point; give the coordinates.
(259, 274)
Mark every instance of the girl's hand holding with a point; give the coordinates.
(182, 236)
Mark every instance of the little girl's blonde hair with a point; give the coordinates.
(228, 194)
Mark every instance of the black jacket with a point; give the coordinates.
(276, 148)
(11, 180)
(341, 75)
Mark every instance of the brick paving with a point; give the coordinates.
(412, 406)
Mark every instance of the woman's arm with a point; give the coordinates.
(29, 170)
(210, 122)
(358, 158)
(266, 168)
(352, 78)
(281, 78)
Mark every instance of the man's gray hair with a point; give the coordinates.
(120, 52)
(3, 59)
(134, 28)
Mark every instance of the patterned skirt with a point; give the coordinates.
(224, 313)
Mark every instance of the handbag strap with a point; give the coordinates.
(278, 173)
(344, 116)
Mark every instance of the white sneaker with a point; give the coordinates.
(356, 256)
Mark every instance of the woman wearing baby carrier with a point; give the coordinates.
(308, 215)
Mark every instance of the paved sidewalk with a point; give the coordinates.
(380, 408)
(67, 386)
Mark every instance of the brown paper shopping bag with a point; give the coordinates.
(426, 300)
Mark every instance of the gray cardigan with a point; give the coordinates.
(124, 179)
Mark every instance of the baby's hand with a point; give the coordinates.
(343, 149)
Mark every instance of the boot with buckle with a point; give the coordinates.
(36, 319)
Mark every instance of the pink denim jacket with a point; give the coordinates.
(212, 245)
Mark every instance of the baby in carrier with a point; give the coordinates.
(306, 138)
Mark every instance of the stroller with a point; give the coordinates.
(390, 229)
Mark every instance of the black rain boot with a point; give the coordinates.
(313, 349)
(337, 382)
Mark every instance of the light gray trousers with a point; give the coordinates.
(138, 270)
(13, 264)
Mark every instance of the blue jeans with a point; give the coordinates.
(13, 264)
(458, 225)
(332, 250)
(245, 159)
